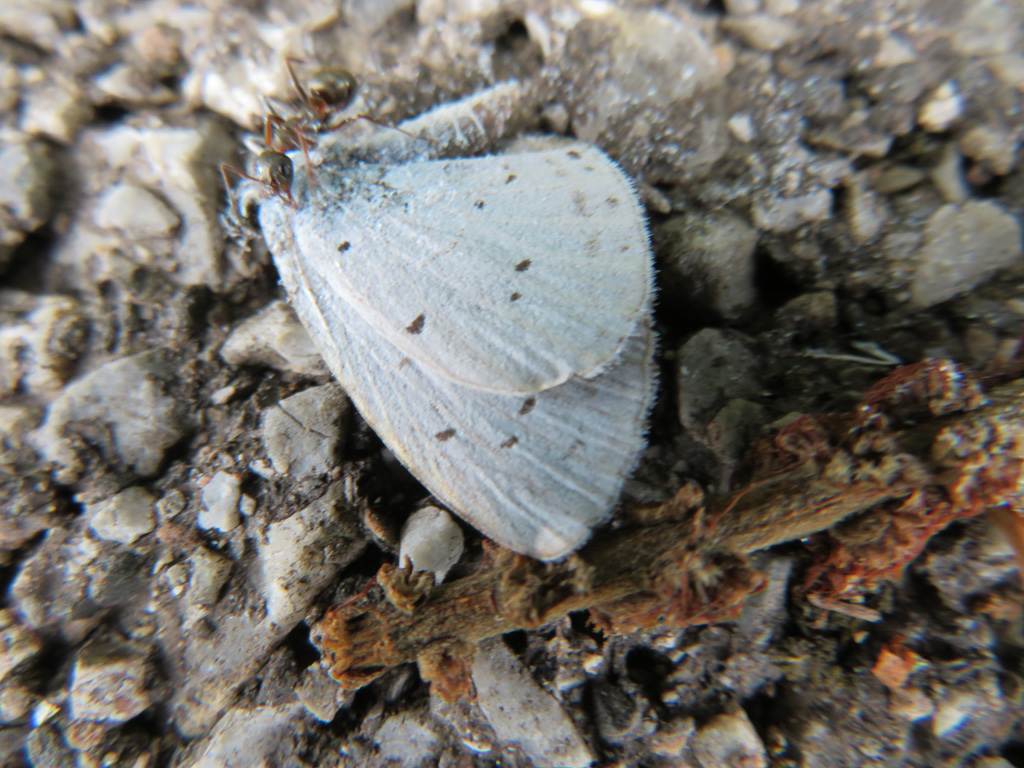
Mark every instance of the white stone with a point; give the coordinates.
(220, 497)
(943, 108)
(431, 541)
(124, 517)
(742, 127)
(522, 713)
(894, 51)
(136, 212)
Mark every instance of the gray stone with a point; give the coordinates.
(38, 349)
(57, 110)
(762, 31)
(41, 24)
(707, 261)
(109, 682)
(522, 713)
(732, 429)
(728, 741)
(296, 558)
(321, 694)
(948, 176)
(963, 245)
(246, 737)
(124, 517)
(764, 613)
(645, 81)
(17, 643)
(136, 212)
(943, 107)
(714, 367)
(25, 192)
(994, 148)
(408, 741)
(784, 214)
(129, 398)
(207, 572)
(298, 554)
(274, 337)
(303, 433)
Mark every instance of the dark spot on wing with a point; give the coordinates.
(511, 178)
(516, 296)
(574, 154)
(523, 265)
(579, 201)
(478, 204)
(589, 168)
(416, 326)
(592, 247)
(624, 247)
(344, 246)
(528, 405)
(444, 435)
(405, 361)
(510, 442)
(612, 201)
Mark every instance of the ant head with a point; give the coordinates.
(331, 88)
(276, 171)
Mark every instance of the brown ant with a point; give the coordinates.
(329, 91)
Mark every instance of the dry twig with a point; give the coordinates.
(925, 447)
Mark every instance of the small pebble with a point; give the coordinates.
(942, 108)
(220, 498)
(431, 541)
(125, 517)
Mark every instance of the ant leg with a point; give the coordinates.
(295, 79)
(224, 168)
(349, 120)
(309, 164)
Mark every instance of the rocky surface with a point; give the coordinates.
(834, 186)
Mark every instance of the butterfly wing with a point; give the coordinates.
(508, 273)
(533, 472)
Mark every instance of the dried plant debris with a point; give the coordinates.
(873, 490)
(814, 561)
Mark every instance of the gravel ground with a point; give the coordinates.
(833, 188)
